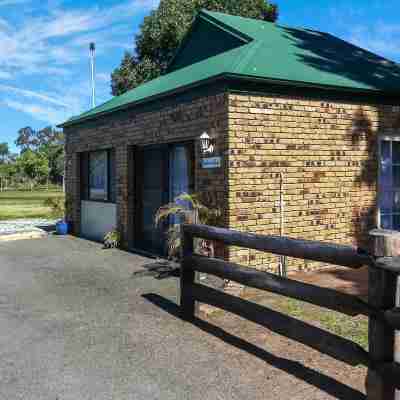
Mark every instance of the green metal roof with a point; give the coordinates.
(261, 50)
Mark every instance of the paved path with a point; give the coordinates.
(24, 225)
(76, 326)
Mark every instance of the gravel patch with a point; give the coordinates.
(24, 225)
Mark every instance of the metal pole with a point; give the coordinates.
(282, 259)
(92, 48)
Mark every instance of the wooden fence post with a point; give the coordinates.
(381, 296)
(397, 337)
(187, 277)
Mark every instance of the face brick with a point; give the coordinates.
(326, 151)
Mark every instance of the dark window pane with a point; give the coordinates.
(396, 152)
(386, 202)
(396, 177)
(84, 175)
(396, 222)
(98, 175)
(385, 151)
(396, 201)
(386, 166)
(386, 221)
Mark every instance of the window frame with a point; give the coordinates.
(110, 179)
(380, 188)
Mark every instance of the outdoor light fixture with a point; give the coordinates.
(206, 143)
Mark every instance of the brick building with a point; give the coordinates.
(291, 112)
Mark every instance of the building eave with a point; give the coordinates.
(242, 78)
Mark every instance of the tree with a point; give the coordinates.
(7, 172)
(162, 31)
(50, 143)
(26, 139)
(4, 152)
(34, 165)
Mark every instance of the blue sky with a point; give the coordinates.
(44, 65)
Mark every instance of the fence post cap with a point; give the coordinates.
(385, 232)
(384, 243)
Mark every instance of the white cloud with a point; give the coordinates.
(5, 75)
(36, 44)
(102, 77)
(51, 46)
(39, 112)
(32, 95)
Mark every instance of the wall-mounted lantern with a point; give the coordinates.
(206, 144)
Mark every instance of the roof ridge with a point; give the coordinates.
(211, 18)
(269, 52)
(251, 47)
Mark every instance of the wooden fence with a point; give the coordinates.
(384, 318)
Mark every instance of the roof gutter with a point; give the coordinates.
(145, 100)
(233, 76)
(307, 85)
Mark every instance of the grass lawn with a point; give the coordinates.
(352, 328)
(26, 204)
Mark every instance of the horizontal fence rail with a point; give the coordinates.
(345, 256)
(384, 317)
(319, 296)
(391, 264)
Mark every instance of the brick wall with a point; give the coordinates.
(327, 153)
(166, 122)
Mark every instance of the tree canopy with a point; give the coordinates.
(162, 31)
(47, 143)
(33, 165)
(4, 152)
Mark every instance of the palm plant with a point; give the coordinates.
(186, 208)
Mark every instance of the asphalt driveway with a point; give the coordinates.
(75, 325)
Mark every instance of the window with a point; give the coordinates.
(389, 183)
(98, 176)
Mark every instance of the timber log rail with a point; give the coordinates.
(384, 318)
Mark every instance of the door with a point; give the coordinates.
(163, 173)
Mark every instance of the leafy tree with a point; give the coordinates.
(162, 31)
(49, 136)
(30, 139)
(34, 165)
(7, 170)
(4, 152)
(49, 142)
(26, 139)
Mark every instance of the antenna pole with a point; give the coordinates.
(92, 48)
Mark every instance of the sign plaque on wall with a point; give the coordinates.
(211, 162)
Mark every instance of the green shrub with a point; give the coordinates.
(57, 206)
(112, 240)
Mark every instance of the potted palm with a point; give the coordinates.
(187, 208)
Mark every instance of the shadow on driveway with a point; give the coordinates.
(327, 384)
